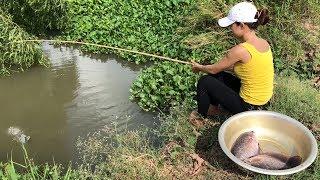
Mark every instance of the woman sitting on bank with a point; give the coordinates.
(251, 61)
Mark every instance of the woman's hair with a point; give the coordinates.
(263, 19)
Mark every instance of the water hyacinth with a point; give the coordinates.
(163, 85)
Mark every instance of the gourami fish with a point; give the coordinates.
(274, 161)
(246, 146)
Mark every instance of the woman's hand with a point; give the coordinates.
(196, 67)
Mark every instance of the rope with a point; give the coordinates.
(104, 46)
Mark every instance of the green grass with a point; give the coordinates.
(293, 32)
(12, 170)
(297, 99)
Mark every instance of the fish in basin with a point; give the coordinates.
(246, 146)
(274, 161)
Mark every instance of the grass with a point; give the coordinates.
(297, 99)
(12, 170)
(293, 32)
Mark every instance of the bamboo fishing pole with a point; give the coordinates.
(104, 46)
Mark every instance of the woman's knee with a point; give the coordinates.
(204, 79)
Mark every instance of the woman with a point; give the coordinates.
(251, 61)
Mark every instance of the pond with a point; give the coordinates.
(79, 93)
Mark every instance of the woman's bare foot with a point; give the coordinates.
(197, 164)
(196, 120)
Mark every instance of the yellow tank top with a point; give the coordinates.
(256, 76)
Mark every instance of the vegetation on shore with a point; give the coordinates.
(139, 25)
(183, 29)
(37, 16)
(294, 35)
(15, 57)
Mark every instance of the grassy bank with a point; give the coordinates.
(17, 57)
(164, 152)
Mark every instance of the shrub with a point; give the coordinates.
(38, 16)
(17, 56)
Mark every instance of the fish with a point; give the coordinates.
(18, 135)
(246, 146)
(274, 161)
(14, 131)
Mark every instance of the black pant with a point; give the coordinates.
(222, 88)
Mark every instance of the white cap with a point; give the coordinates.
(241, 12)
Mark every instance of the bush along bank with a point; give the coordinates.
(38, 16)
(17, 56)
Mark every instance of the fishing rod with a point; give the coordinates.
(105, 46)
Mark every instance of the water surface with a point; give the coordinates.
(77, 95)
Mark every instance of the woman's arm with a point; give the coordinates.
(234, 55)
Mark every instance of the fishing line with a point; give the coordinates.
(105, 46)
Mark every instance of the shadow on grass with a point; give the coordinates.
(208, 148)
